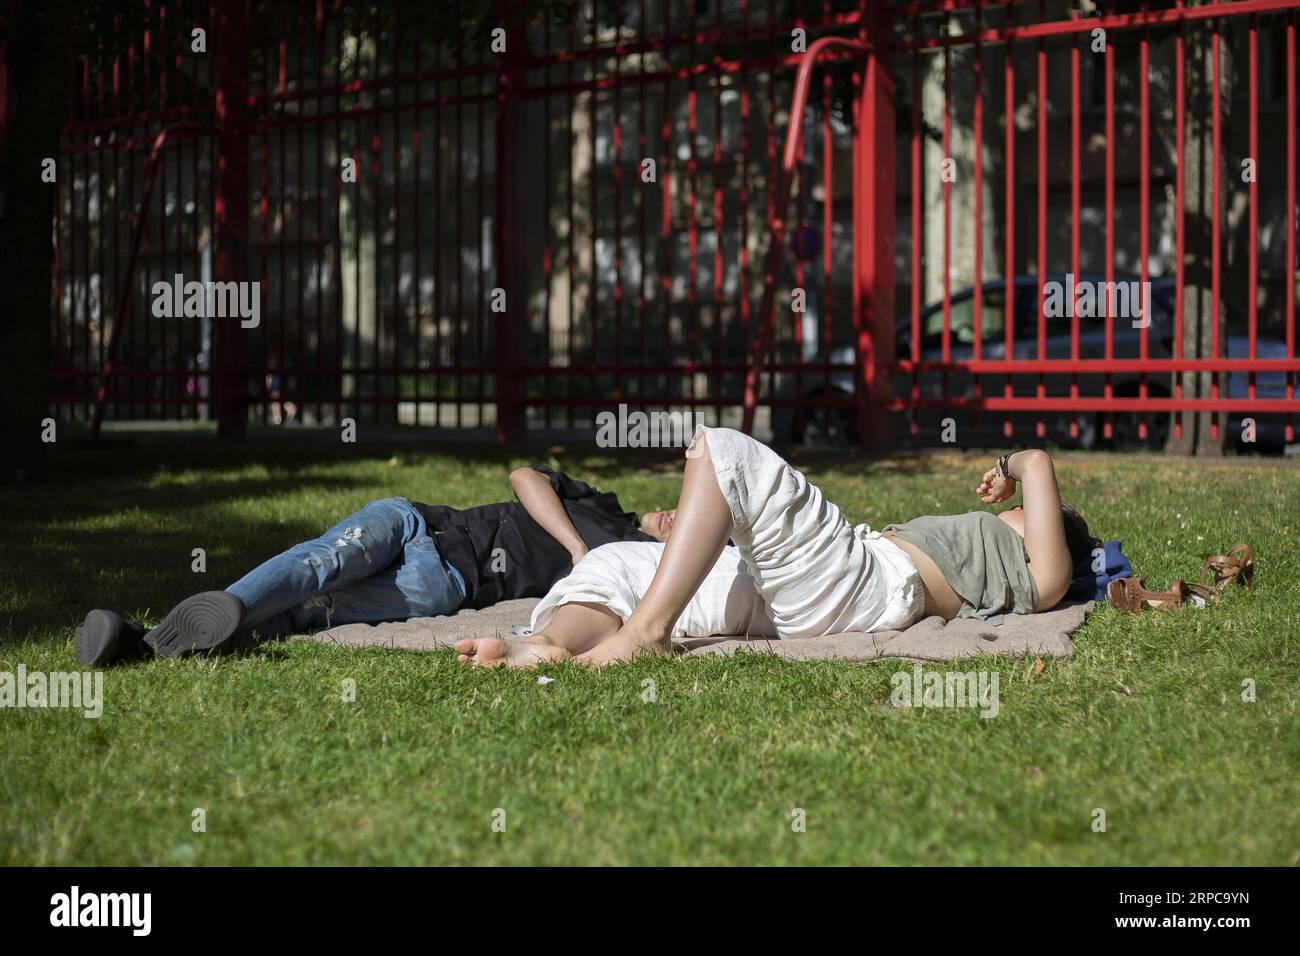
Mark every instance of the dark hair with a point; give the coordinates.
(1077, 538)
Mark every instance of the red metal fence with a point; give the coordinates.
(1145, 126)
(505, 256)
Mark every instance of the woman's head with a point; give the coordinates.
(1078, 539)
(658, 524)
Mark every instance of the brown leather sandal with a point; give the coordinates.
(1121, 594)
(1128, 594)
(1237, 565)
(1197, 594)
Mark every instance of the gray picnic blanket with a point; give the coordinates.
(932, 639)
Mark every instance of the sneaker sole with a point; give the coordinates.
(204, 622)
(98, 636)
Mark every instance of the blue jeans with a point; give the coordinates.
(379, 564)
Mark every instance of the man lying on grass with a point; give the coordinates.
(798, 569)
(392, 560)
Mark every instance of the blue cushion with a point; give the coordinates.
(1090, 585)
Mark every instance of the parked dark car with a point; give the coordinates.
(837, 426)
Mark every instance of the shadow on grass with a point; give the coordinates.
(110, 533)
(67, 574)
(151, 453)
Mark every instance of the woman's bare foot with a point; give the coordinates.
(625, 645)
(491, 652)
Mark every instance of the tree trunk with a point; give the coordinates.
(1199, 213)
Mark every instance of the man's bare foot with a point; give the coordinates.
(491, 652)
(625, 645)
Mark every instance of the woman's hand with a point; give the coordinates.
(994, 488)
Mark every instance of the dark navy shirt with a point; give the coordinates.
(502, 553)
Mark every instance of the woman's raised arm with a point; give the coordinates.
(1049, 556)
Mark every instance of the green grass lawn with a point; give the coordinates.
(1146, 721)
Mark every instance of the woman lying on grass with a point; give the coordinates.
(797, 568)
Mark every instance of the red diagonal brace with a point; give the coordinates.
(139, 217)
(785, 180)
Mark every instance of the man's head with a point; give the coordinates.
(1077, 537)
(657, 524)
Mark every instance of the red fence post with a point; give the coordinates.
(230, 347)
(873, 232)
(512, 154)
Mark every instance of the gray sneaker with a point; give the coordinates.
(105, 637)
(202, 622)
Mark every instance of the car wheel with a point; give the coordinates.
(828, 426)
(1089, 434)
(1125, 432)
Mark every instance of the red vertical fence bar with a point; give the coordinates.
(1110, 223)
(231, 209)
(503, 434)
(458, 273)
(917, 236)
(137, 373)
(594, 303)
(800, 267)
(873, 232)
(1075, 212)
(824, 335)
(573, 280)
(438, 273)
(1291, 266)
(692, 266)
(1252, 248)
(99, 240)
(282, 201)
(1009, 219)
(84, 258)
(716, 378)
(1144, 203)
(1179, 212)
(319, 215)
(58, 358)
(264, 217)
(191, 387)
(616, 172)
(302, 365)
(163, 265)
(742, 219)
(643, 199)
(1216, 203)
(945, 339)
(1040, 61)
(417, 288)
(508, 327)
(977, 220)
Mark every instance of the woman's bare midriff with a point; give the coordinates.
(940, 598)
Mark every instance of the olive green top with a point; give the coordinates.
(983, 558)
